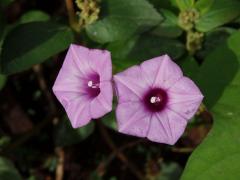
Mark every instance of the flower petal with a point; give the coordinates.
(70, 71)
(166, 127)
(132, 119)
(80, 58)
(130, 84)
(65, 97)
(69, 83)
(161, 71)
(82, 66)
(185, 86)
(184, 98)
(78, 112)
(100, 62)
(102, 104)
(68, 87)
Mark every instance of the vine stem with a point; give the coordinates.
(53, 111)
(60, 165)
(43, 86)
(120, 155)
(72, 15)
(110, 158)
(182, 150)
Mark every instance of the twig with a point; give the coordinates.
(110, 158)
(131, 144)
(60, 165)
(124, 147)
(182, 150)
(71, 15)
(53, 110)
(119, 154)
(43, 86)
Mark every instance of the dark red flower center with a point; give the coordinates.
(155, 99)
(93, 85)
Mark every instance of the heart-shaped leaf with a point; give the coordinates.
(219, 13)
(33, 43)
(218, 156)
(125, 19)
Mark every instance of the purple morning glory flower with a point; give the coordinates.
(83, 85)
(155, 100)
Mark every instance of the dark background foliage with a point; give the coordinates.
(36, 138)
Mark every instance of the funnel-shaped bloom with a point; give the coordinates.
(155, 100)
(83, 85)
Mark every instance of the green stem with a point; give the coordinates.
(72, 15)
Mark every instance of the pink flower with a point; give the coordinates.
(155, 100)
(83, 85)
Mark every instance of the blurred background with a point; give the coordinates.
(37, 141)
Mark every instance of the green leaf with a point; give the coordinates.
(94, 175)
(190, 67)
(30, 16)
(169, 171)
(185, 4)
(65, 135)
(203, 5)
(125, 19)
(170, 5)
(4, 140)
(169, 27)
(110, 120)
(120, 51)
(2, 24)
(2, 29)
(33, 43)
(33, 16)
(216, 72)
(174, 2)
(212, 39)
(149, 46)
(3, 79)
(218, 156)
(8, 171)
(5, 3)
(133, 51)
(220, 12)
(237, 20)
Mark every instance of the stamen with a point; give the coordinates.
(90, 83)
(155, 99)
(93, 85)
